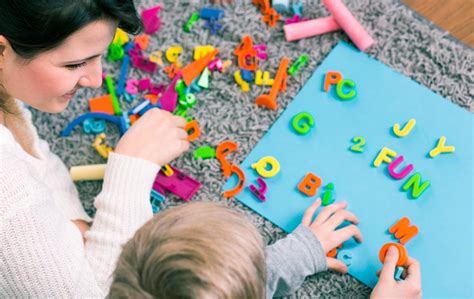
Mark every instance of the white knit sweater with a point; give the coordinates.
(42, 253)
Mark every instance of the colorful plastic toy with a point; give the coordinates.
(263, 79)
(150, 18)
(241, 82)
(173, 53)
(91, 126)
(224, 149)
(298, 64)
(358, 147)
(269, 100)
(123, 75)
(402, 253)
(193, 126)
(400, 175)
(102, 104)
(414, 182)
(240, 185)
(142, 41)
(345, 256)
(111, 88)
(441, 148)
(259, 191)
(204, 79)
(167, 170)
(261, 167)
(384, 156)
(310, 184)
(178, 184)
(189, 24)
(331, 78)
(119, 121)
(328, 194)
(192, 70)
(340, 90)
(169, 99)
(406, 129)
(208, 13)
(204, 152)
(302, 123)
(403, 231)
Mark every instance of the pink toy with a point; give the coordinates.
(151, 21)
(310, 28)
(169, 99)
(349, 24)
(259, 192)
(403, 173)
(178, 183)
(142, 63)
(132, 86)
(157, 89)
(144, 84)
(261, 51)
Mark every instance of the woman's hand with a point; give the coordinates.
(157, 136)
(324, 228)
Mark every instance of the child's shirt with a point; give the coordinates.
(42, 253)
(291, 259)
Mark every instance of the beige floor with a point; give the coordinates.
(454, 16)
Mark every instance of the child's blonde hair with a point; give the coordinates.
(196, 250)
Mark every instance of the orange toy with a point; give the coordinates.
(142, 40)
(246, 54)
(403, 231)
(192, 70)
(309, 185)
(223, 150)
(240, 185)
(194, 127)
(269, 100)
(402, 253)
(332, 77)
(102, 104)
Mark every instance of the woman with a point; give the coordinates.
(49, 50)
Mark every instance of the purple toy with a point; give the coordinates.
(179, 184)
(260, 192)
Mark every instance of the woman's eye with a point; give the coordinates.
(75, 66)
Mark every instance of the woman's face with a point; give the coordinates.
(48, 81)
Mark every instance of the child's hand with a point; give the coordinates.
(388, 287)
(324, 227)
(157, 136)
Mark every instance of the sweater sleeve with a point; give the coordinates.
(41, 251)
(59, 181)
(291, 259)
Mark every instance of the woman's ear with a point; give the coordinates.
(4, 46)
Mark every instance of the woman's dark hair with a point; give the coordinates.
(36, 26)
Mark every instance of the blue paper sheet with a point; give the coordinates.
(443, 213)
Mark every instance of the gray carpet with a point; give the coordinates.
(405, 41)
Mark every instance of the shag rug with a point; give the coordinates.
(404, 41)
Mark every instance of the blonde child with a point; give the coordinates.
(49, 50)
(205, 250)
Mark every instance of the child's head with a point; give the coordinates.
(195, 250)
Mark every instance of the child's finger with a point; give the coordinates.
(179, 121)
(336, 265)
(328, 211)
(389, 265)
(308, 215)
(413, 271)
(339, 217)
(345, 233)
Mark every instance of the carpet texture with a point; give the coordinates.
(405, 41)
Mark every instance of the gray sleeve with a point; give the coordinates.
(291, 259)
